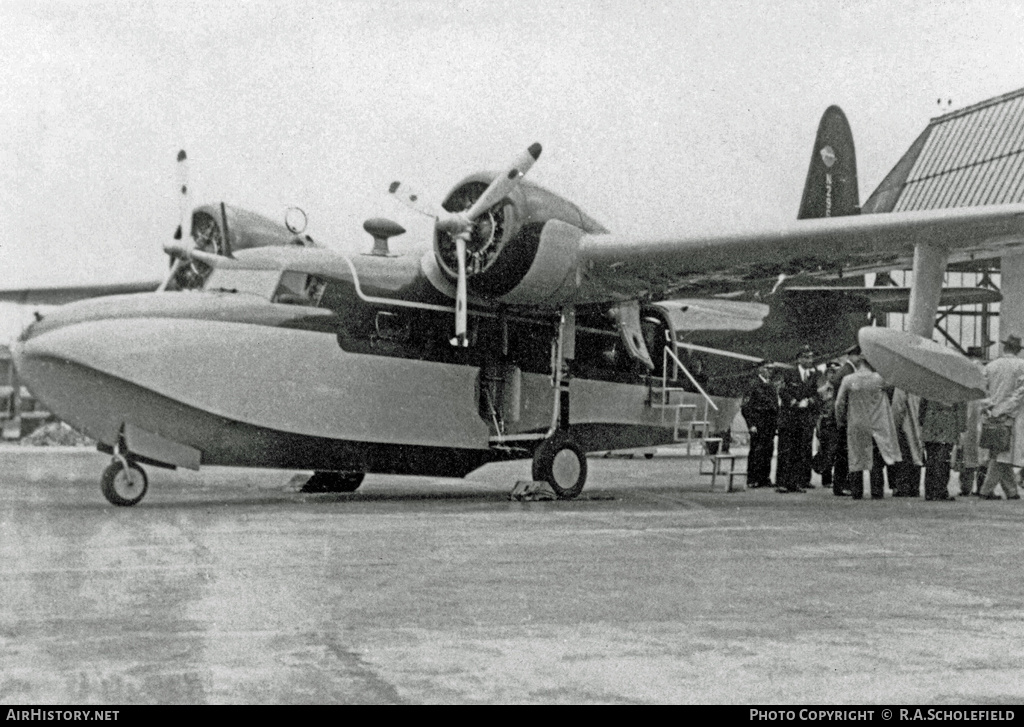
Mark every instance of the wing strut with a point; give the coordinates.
(910, 359)
(929, 267)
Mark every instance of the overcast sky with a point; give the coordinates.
(655, 117)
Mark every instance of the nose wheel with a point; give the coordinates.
(123, 485)
(561, 463)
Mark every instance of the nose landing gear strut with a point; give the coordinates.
(123, 483)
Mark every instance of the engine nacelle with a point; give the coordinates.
(223, 230)
(523, 250)
(245, 229)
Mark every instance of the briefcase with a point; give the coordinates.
(995, 437)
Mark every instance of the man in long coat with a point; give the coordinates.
(1005, 380)
(798, 414)
(973, 457)
(760, 409)
(862, 405)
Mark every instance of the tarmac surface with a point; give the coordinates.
(228, 586)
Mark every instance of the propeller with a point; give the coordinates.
(184, 200)
(185, 209)
(460, 224)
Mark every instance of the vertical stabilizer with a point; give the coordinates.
(831, 187)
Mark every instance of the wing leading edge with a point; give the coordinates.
(620, 267)
(69, 294)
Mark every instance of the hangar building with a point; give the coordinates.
(967, 158)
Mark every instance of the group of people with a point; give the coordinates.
(864, 425)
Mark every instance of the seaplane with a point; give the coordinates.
(524, 329)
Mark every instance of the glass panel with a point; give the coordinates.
(236, 280)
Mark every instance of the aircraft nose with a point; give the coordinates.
(36, 361)
(42, 357)
(59, 366)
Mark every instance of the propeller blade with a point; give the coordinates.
(225, 241)
(505, 182)
(176, 252)
(175, 267)
(412, 199)
(460, 293)
(184, 199)
(460, 224)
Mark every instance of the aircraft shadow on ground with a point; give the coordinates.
(295, 499)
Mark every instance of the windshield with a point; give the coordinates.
(239, 280)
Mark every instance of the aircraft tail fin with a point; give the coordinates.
(831, 186)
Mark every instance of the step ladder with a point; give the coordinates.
(12, 428)
(717, 463)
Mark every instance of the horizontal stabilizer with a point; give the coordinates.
(709, 314)
(897, 300)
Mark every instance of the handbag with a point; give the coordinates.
(995, 437)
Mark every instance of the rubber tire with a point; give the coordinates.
(561, 463)
(114, 478)
(334, 482)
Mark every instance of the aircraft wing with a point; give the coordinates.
(623, 267)
(60, 296)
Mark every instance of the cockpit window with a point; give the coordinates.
(290, 287)
(315, 287)
(240, 280)
(299, 289)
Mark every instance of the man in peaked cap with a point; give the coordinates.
(798, 413)
(760, 409)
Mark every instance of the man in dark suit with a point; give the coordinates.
(760, 410)
(841, 461)
(798, 414)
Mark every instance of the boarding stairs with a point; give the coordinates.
(691, 422)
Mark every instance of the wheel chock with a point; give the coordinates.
(530, 490)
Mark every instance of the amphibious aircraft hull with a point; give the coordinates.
(190, 392)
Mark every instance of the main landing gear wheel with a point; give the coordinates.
(334, 482)
(561, 463)
(123, 487)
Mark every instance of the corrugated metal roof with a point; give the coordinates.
(968, 158)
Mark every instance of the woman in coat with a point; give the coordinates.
(941, 427)
(861, 404)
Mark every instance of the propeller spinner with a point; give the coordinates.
(460, 224)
